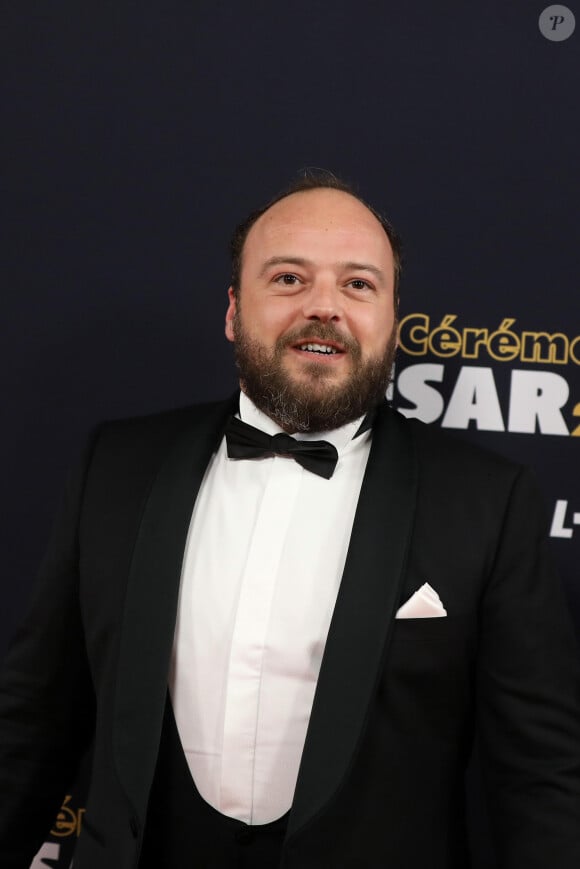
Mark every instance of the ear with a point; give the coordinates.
(230, 314)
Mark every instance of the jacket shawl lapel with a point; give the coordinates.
(151, 603)
(362, 619)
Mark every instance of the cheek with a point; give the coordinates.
(369, 326)
(373, 331)
(274, 318)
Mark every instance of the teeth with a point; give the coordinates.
(318, 348)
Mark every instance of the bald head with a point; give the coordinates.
(325, 227)
(311, 182)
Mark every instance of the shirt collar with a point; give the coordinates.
(339, 437)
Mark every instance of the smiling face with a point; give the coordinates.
(314, 321)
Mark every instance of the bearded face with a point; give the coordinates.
(315, 402)
(313, 317)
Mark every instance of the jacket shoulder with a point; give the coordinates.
(447, 454)
(156, 431)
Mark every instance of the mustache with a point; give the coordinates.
(321, 332)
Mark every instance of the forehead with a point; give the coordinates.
(327, 223)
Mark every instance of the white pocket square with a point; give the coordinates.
(424, 604)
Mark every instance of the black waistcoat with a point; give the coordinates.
(184, 832)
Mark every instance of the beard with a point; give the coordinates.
(313, 404)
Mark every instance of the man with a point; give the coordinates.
(283, 650)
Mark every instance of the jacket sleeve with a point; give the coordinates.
(529, 697)
(47, 704)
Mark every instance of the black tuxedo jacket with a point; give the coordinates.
(397, 702)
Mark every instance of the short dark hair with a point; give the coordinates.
(311, 179)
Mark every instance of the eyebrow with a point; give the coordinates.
(301, 261)
(284, 260)
(366, 267)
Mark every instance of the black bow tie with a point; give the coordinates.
(246, 442)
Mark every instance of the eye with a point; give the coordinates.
(287, 280)
(360, 284)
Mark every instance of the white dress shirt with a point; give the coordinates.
(262, 566)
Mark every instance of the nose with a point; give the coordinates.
(323, 301)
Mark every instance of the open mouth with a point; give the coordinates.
(319, 348)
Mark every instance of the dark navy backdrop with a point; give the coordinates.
(138, 134)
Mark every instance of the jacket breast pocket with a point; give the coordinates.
(432, 653)
(427, 684)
